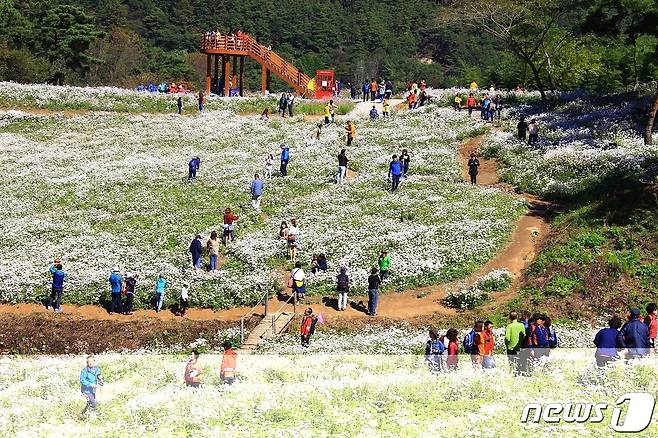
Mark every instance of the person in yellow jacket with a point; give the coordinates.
(193, 371)
(387, 108)
(458, 103)
(474, 85)
(327, 113)
(228, 372)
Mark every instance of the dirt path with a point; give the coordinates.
(362, 109)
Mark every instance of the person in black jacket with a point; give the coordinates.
(343, 287)
(473, 165)
(522, 128)
(635, 335)
(129, 288)
(196, 247)
(374, 281)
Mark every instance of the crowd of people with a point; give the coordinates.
(163, 87)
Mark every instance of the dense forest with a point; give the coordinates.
(547, 44)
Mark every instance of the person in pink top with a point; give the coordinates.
(453, 349)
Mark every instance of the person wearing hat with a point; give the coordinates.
(384, 263)
(129, 288)
(116, 284)
(57, 288)
(635, 335)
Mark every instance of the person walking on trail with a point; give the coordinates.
(484, 108)
(291, 104)
(498, 103)
(514, 340)
(384, 263)
(405, 159)
(307, 327)
(373, 90)
(471, 104)
(292, 239)
(196, 248)
(192, 168)
(635, 335)
(57, 287)
(229, 368)
(257, 186)
(90, 380)
(533, 132)
(457, 103)
(374, 115)
(116, 285)
(184, 301)
(522, 128)
(342, 288)
(327, 114)
(386, 109)
(130, 284)
(652, 323)
(608, 342)
(212, 245)
(452, 360)
(434, 350)
(269, 162)
(342, 167)
(229, 226)
(488, 346)
(193, 371)
(374, 281)
(160, 287)
(332, 110)
(473, 165)
(283, 104)
(297, 281)
(285, 159)
(395, 173)
(179, 105)
(202, 101)
(350, 131)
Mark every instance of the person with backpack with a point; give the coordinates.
(130, 284)
(193, 371)
(522, 128)
(452, 361)
(296, 281)
(488, 346)
(551, 334)
(384, 263)
(90, 380)
(471, 104)
(342, 167)
(468, 343)
(256, 190)
(635, 335)
(229, 369)
(608, 342)
(394, 173)
(307, 327)
(196, 248)
(342, 288)
(285, 159)
(192, 168)
(160, 286)
(652, 324)
(514, 340)
(57, 287)
(434, 350)
(473, 165)
(179, 105)
(374, 281)
(116, 286)
(229, 226)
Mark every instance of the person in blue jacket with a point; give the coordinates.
(365, 89)
(116, 285)
(635, 335)
(160, 286)
(374, 115)
(196, 248)
(394, 173)
(58, 274)
(192, 168)
(257, 186)
(285, 158)
(608, 341)
(90, 380)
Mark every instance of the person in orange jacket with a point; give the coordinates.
(350, 130)
(228, 371)
(488, 345)
(308, 326)
(193, 371)
(411, 99)
(373, 90)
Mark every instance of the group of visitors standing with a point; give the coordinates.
(373, 90)
(489, 107)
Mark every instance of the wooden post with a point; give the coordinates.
(241, 75)
(207, 74)
(263, 80)
(269, 79)
(227, 66)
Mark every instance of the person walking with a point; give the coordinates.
(193, 371)
(474, 344)
(116, 285)
(342, 167)
(405, 159)
(184, 301)
(130, 284)
(473, 164)
(327, 114)
(384, 263)
(160, 287)
(471, 104)
(499, 107)
(179, 105)
(196, 248)
(434, 350)
(652, 324)
(533, 132)
(285, 158)
(292, 238)
(57, 287)
(257, 186)
(212, 245)
(192, 168)
(374, 281)
(514, 340)
(394, 173)
(457, 103)
(291, 104)
(229, 368)
(342, 288)
(229, 226)
(350, 130)
(332, 110)
(202, 101)
(608, 342)
(283, 104)
(522, 128)
(90, 380)
(452, 360)
(296, 281)
(386, 108)
(307, 327)
(269, 162)
(488, 346)
(635, 335)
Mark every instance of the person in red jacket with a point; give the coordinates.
(229, 228)
(228, 371)
(453, 349)
(471, 103)
(308, 326)
(652, 323)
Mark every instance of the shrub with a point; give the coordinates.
(495, 281)
(466, 298)
(561, 286)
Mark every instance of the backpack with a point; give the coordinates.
(469, 342)
(313, 324)
(552, 338)
(343, 282)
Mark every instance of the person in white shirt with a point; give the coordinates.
(293, 238)
(296, 281)
(184, 297)
(533, 132)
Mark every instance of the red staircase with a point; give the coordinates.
(243, 44)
